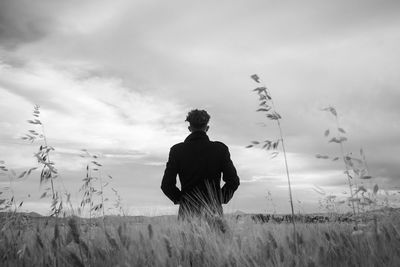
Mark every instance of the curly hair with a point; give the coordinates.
(198, 119)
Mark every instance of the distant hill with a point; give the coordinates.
(238, 212)
(162, 218)
(27, 214)
(34, 214)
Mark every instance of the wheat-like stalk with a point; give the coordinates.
(267, 107)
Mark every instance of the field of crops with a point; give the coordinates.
(164, 241)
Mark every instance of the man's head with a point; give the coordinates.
(198, 120)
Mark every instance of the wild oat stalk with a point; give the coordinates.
(267, 107)
(49, 172)
(6, 202)
(88, 189)
(93, 174)
(12, 222)
(339, 138)
(359, 171)
(329, 202)
(118, 202)
(351, 170)
(356, 169)
(270, 201)
(9, 203)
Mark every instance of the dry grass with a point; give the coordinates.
(166, 242)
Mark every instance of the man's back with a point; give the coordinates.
(199, 163)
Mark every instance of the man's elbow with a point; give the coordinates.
(236, 183)
(233, 183)
(165, 188)
(164, 185)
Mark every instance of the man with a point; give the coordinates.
(199, 163)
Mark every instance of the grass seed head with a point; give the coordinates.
(300, 239)
(168, 246)
(150, 230)
(74, 229)
(112, 241)
(272, 240)
(56, 231)
(281, 254)
(39, 241)
(327, 236)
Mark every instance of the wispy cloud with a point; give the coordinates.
(118, 77)
(80, 112)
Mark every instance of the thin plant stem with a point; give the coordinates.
(288, 180)
(286, 166)
(102, 199)
(287, 169)
(347, 170)
(90, 197)
(12, 193)
(288, 176)
(48, 159)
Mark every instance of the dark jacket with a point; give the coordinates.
(199, 163)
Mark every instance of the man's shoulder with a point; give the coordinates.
(177, 146)
(216, 144)
(220, 145)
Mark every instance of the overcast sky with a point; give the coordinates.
(118, 78)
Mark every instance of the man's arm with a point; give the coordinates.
(168, 184)
(230, 177)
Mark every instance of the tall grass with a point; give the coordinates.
(355, 169)
(267, 107)
(164, 241)
(167, 242)
(340, 139)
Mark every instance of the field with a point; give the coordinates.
(164, 241)
(368, 236)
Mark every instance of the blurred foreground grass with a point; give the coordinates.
(164, 241)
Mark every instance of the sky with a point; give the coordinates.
(118, 77)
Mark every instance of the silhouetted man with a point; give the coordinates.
(199, 163)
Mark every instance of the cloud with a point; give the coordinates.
(96, 110)
(21, 24)
(118, 77)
